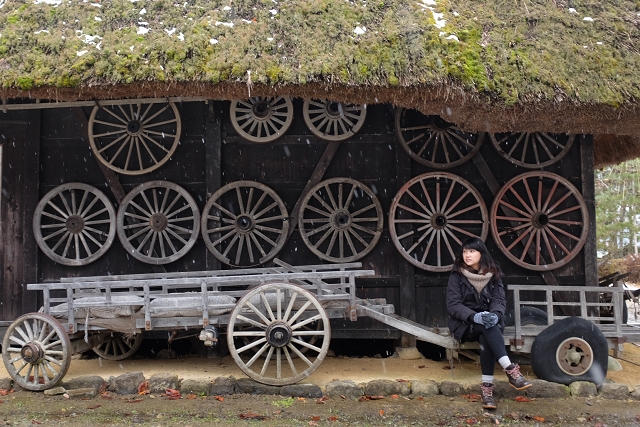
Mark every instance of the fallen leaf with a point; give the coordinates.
(400, 380)
(591, 417)
(143, 388)
(93, 406)
(333, 418)
(315, 418)
(277, 412)
(302, 399)
(191, 396)
(421, 366)
(134, 400)
(103, 388)
(66, 396)
(448, 367)
(343, 396)
(539, 419)
(381, 412)
(522, 399)
(394, 396)
(376, 397)
(1, 401)
(106, 395)
(5, 392)
(472, 397)
(472, 421)
(35, 422)
(322, 399)
(252, 416)
(513, 415)
(171, 394)
(219, 398)
(420, 398)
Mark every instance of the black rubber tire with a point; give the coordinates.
(544, 349)
(528, 316)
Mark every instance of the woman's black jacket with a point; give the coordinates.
(463, 301)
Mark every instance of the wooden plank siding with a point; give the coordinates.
(211, 154)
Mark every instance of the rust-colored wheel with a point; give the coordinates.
(532, 149)
(539, 220)
(340, 220)
(433, 141)
(432, 215)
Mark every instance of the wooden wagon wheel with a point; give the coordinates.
(539, 220)
(36, 351)
(333, 121)
(434, 142)
(158, 222)
(136, 138)
(278, 331)
(532, 149)
(74, 224)
(310, 339)
(245, 223)
(432, 215)
(119, 346)
(340, 220)
(260, 119)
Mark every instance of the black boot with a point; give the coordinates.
(516, 379)
(487, 396)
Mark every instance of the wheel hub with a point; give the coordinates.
(261, 110)
(75, 224)
(540, 220)
(279, 334)
(133, 127)
(574, 356)
(32, 353)
(438, 221)
(439, 124)
(244, 223)
(341, 219)
(334, 110)
(158, 222)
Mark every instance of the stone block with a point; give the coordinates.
(583, 389)
(613, 391)
(451, 388)
(424, 388)
(198, 387)
(346, 388)
(546, 389)
(386, 388)
(6, 383)
(223, 386)
(310, 391)
(408, 353)
(159, 383)
(91, 381)
(82, 393)
(126, 383)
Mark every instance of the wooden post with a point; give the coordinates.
(213, 157)
(588, 193)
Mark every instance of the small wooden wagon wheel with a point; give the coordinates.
(36, 351)
(275, 327)
(532, 149)
(434, 142)
(539, 220)
(158, 222)
(74, 224)
(432, 215)
(333, 121)
(245, 223)
(340, 220)
(136, 138)
(119, 346)
(260, 119)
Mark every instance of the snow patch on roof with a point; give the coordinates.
(143, 30)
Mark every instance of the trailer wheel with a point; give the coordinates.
(36, 351)
(528, 316)
(275, 326)
(570, 350)
(118, 346)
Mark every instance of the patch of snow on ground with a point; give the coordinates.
(213, 41)
(588, 19)
(226, 24)
(143, 30)
(360, 30)
(81, 52)
(56, 2)
(171, 31)
(453, 37)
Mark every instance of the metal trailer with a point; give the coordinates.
(277, 321)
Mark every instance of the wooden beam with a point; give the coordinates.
(213, 156)
(588, 193)
(316, 177)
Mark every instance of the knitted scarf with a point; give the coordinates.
(478, 281)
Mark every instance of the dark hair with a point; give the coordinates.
(487, 264)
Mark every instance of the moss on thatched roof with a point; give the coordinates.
(527, 62)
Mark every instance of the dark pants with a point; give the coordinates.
(491, 345)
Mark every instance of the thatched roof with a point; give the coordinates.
(494, 65)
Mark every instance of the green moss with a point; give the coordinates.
(25, 83)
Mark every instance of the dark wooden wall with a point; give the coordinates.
(211, 154)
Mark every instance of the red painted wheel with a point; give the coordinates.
(433, 141)
(532, 149)
(539, 220)
(432, 215)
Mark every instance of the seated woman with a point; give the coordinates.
(476, 304)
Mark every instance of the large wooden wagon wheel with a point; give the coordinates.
(539, 220)
(118, 346)
(36, 351)
(333, 121)
(532, 149)
(245, 223)
(74, 224)
(434, 142)
(158, 222)
(135, 138)
(340, 220)
(260, 119)
(277, 331)
(432, 215)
